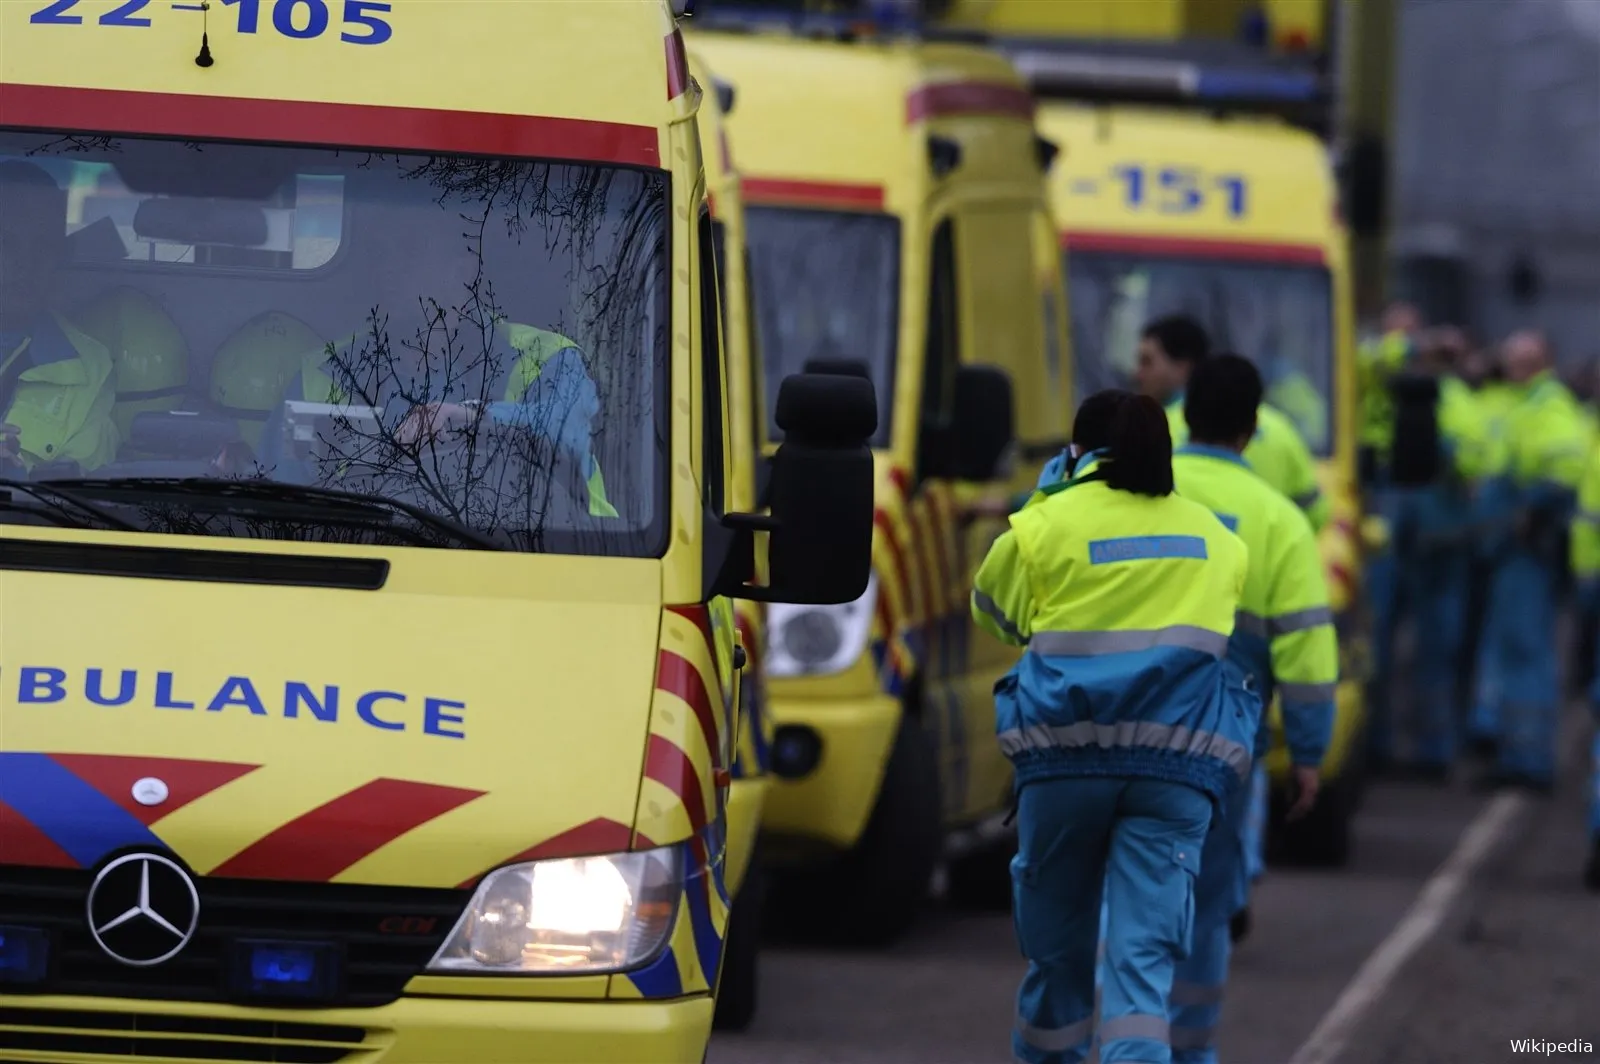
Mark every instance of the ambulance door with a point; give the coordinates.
(1003, 325)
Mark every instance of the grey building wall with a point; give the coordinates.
(1496, 155)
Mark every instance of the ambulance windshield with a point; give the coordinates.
(1278, 316)
(485, 340)
(827, 287)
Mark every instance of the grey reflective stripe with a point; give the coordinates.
(1589, 517)
(1055, 1039)
(1250, 623)
(1308, 692)
(1192, 1037)
(1151, 1027)
(1088, 644)
(1196, 993)
(1300, 620)
(1128, 735)
(1308, 498)
(997, 615)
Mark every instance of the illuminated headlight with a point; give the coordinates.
(819, 640)
(572, 916)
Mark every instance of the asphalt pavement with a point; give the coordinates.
(1413, 970)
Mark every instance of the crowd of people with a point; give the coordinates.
(1165, 582)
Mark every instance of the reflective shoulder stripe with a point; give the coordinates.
(1588, 517)
(1308, 692)
(1299, 620)
(1091, 644)
(1250, 623)
(993, 611)
(1128, 735)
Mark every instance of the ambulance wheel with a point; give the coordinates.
(871, 895)
(1320, 839)
(739, 990)
(981, 880)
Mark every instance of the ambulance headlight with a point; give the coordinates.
(819, 640)
(573, 916)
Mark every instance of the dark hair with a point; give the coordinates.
(1180, 336)
(1133, 430)
(1222, 398)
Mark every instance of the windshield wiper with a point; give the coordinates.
(274, 491)
(51, 495)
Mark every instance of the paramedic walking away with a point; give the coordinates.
(1284, 638)
(1125, 723)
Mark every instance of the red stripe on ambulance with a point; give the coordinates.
(23, 844)
(320, 844)
(669, 766)
(598, 836)
(676, 675)
(334, 124)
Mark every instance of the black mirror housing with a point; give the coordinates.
(821, 489)
(982, 428)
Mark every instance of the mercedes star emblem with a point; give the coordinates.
(143, 909)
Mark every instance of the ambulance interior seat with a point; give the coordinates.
(209, 306)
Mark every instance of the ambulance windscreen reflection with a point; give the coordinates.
(478, 341)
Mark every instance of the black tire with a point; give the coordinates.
(738, 991)
(980, 881)
(1320, 839)
(871, 895)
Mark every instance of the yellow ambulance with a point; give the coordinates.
(1235, 220)
(374, 693)
(898, 230)
(752, 763)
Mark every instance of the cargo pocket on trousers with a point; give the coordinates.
(1186, 862)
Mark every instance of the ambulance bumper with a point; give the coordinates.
(828, 807)
(58, 1030)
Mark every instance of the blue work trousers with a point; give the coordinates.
(1222, 889)
(1138, 842)
(1488, 684)
(1423, 575)
(1522, 631)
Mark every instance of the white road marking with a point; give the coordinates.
(1419, 924)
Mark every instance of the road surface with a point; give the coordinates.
(1423, 954)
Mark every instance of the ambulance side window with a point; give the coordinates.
(943, 353)
(713, 419)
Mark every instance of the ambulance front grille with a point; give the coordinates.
(80, 1036)
(387, 934)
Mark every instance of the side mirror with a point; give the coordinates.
(982, 428)
(821, 489)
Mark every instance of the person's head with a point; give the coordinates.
(1221, 402)
(1130, 431)
(1476, 367)
(1169, 349)
(1402, 317)
(33, 221)
(1525, 354)
(1443, 349)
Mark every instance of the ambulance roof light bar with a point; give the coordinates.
(1218, 78)
(801, 18)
